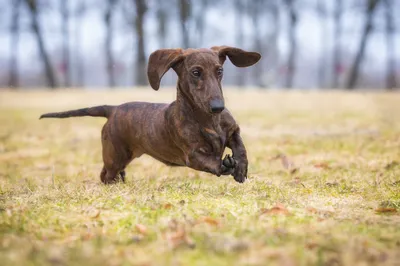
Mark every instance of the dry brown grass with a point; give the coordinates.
(324, 186)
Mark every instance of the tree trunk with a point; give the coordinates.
(13, 81)
(363, 43)
(324, 43)
(80, 70)
(292, 44)
(184, 13)
(162, 23)
(108, 42)
(65, 31)
(337, 62)
(239, 6)
(391, 82)
(51, 79)
(141, 9)
(272, 49)
(256, 14)
(200, 21)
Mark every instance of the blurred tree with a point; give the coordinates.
(391, 82)
(199, 19)
(33, 8)
(337, 37)
(322, 11)
(239, 28)
(79, 57)
(65, 33)
(184, 15)
(108, 42)
(370, 11)
(162, 21)
(272, 50)
(14, 44)
(293, 19)
(256, 12)
(141, 8)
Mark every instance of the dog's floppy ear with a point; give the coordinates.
(160, 62)
(238, 57)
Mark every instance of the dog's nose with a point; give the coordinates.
(217, 106)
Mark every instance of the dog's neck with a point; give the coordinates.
(186, 109)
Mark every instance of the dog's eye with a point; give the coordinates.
(196, 73)
(220, 71)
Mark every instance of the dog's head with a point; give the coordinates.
(200, 72)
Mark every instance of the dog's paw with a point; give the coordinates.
(228, 165)
(240, 173)
(229, 162)
(226, 171)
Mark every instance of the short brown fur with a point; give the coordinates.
(192, 131)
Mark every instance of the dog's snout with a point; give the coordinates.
(217, 106)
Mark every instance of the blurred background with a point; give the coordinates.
(106, 43)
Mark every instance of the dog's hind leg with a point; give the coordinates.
(115, 161)
(114, 166)
(109, 176)
(108, 179)
(103, 175)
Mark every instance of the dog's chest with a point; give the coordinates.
(212, 141)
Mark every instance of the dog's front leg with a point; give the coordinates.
(235, 143)
(204, 162)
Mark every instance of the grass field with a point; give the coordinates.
(323, 187)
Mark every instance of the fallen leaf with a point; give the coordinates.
(208, 220)
(173, 225)
(396, 183)
(388, 204)
(168, 206)
(96, 214)
(87, 236)
(391, 165)
(323, 213)
(141, 229)
(294, 170)
(322, 165)
(311, 245)
(312, 210)
(227, 244)
(386, 210)
(178, 238)
(276, 210)
(286, 163)
(332, 184)
(190, 242)
(276, 157)
(297, 181)
(137, 238)
(42, 167)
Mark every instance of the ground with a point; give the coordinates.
(323, 187)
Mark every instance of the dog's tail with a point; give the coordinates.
(99, 111)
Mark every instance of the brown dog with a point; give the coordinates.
(192, 131)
